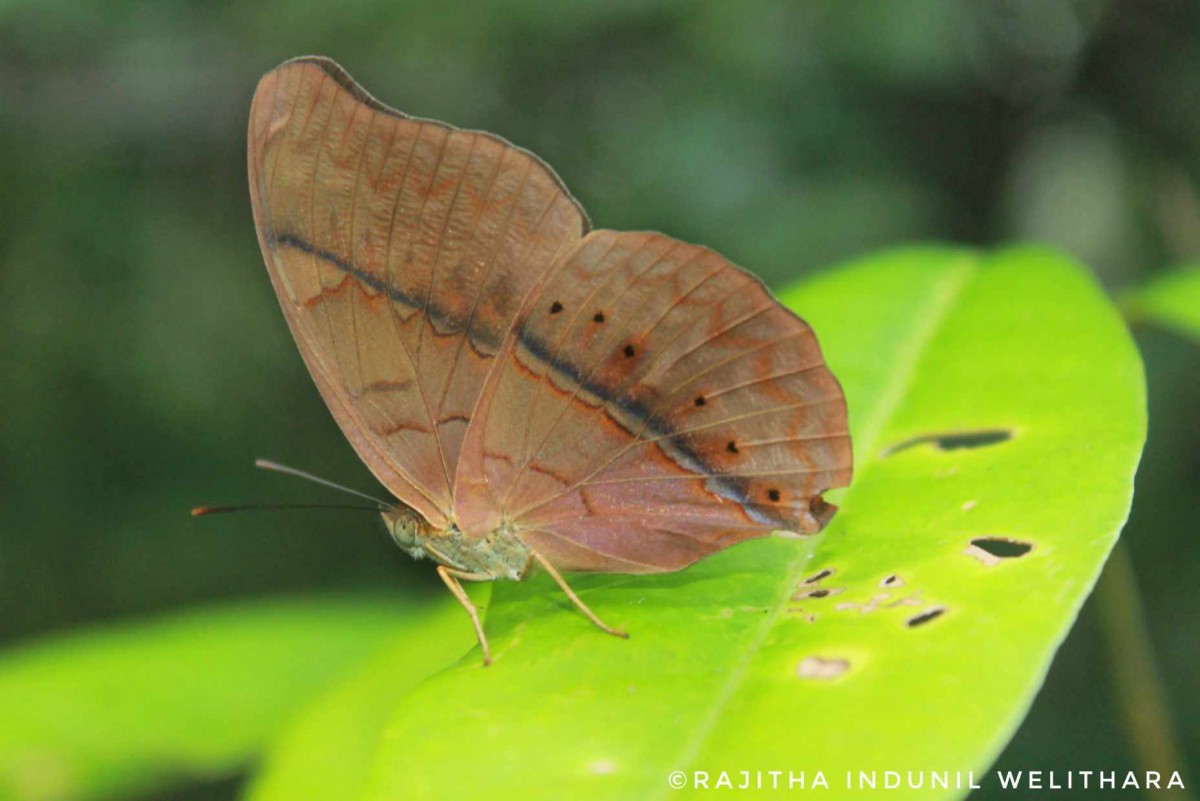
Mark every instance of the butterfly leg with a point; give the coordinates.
(554, 574)
(450, 577)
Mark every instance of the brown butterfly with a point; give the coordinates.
(531, 390)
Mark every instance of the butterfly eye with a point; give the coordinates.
(700, 401)
(773, 494)
(732, 447)
(629, 351)
(555, 307)
(598, 317)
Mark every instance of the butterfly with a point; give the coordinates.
(531, 390)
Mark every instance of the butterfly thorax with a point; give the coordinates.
(498, 555)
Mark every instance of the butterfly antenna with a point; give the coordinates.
(264, 464)
(200, 511)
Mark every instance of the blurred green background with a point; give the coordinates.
(146, 364)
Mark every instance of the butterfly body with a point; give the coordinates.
(531, 390)
(499, 555)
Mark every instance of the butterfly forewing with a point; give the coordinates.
(401, 251)
(654, 404)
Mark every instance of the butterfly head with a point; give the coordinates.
(407, 528)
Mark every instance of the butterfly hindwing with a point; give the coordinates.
(653, 404)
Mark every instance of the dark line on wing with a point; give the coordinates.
(479, 337)
(733, 488)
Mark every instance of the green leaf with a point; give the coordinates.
(117, 710)
(1172, 300)
(327, 753)
(990, 396)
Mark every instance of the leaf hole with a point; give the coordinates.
(892, 581)
(1002, 547)
(926, 616)
(992, 550)
(815, 577)
(956, 440)
(818, 592)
